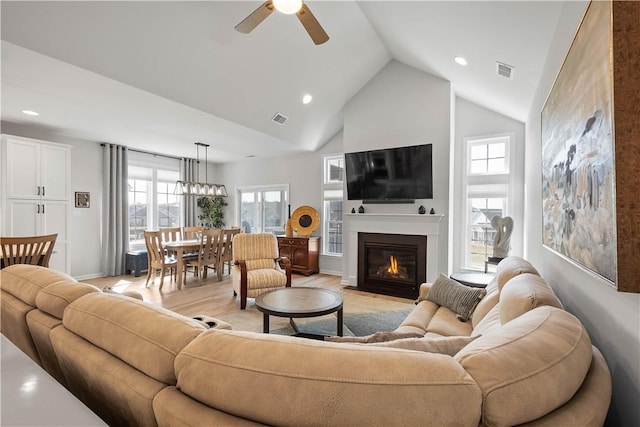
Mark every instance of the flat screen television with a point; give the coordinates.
(392, 175)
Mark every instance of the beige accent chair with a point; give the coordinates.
(257, 266)
(158, 258)
(34, 250)
(208, 255)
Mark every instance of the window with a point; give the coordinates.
(487, 189)
(332, 194)
(152, 203)
(263, 209)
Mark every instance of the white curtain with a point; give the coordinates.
(188, 168)
(115, 210)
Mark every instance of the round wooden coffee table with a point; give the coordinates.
(299, 302)
(476, 280)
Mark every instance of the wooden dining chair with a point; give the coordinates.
(191, 233)
(158, 258)
(35, 250)
(209, 255)
(226, 257)
(170, 234)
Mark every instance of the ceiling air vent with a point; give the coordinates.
(279, 119)
(505, 70)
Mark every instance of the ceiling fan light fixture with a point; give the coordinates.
(288, 7)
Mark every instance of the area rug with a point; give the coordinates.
(362, 316)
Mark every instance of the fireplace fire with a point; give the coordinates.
(391, 264)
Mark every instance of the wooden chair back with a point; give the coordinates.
(35, 250)
(155, 250)
(191, 233)
(210, 247)
(170, 234)
(226, 257)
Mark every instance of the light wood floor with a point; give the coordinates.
(209, 295)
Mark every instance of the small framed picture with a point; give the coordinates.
(82, 199)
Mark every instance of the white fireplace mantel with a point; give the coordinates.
(412, 224)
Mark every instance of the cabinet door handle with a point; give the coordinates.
(38, 205)
(43, 205)
(43, 192)
(38, 193)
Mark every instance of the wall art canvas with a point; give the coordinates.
(578, 169)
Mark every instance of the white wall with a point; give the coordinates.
(86, 175)
(398, 107)
(471, 120)
(302, 172)
(612, 318)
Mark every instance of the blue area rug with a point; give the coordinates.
(354, 324)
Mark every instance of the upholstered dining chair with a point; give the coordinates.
(209, 254)
(158, 258)
(257, 267)
(34, 250)
(226, 255)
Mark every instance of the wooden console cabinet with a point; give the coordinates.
(302, 251)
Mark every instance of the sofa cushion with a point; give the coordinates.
(485, 305)
(419, 318)
(322, 383)
(24, 281)
(442, 345)
(455, 296)
(530, 366)
(56, 297)
(146, 337)
(489, 323)
(523, 293)
(446, 323)
(512, 266)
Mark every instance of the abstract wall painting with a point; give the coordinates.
(578, 160)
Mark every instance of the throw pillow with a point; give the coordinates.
(441, 345)
(377, 337)
(457, 297)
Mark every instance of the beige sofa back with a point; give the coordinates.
(518, 384)
(278, 380)
(117, 353)
(20, 285)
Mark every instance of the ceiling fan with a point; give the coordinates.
(289, 7)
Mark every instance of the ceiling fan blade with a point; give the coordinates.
(311, 24)
(256, 17)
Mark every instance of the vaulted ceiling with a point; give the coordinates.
(161, 75)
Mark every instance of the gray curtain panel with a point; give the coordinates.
(115, 210)
(188, 168)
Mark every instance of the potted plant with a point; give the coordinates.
(211, 211)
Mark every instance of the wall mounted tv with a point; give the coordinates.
(392, 175)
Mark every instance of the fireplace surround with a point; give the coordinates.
(391, 264)
(394, 223)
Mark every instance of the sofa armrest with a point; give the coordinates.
(424, 291)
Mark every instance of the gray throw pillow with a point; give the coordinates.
(457, 297)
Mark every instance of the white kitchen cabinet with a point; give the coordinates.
(36, 192)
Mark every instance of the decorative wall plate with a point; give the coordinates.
(305, 220)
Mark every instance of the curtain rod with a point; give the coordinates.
(152, 154)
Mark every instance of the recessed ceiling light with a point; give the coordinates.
(30, 113)
(460, 60)
(307, 99)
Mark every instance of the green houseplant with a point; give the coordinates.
(211, 211)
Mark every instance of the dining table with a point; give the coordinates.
(180, 247)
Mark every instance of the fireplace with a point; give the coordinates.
(391, 264)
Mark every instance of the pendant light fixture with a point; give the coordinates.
(196, 188)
